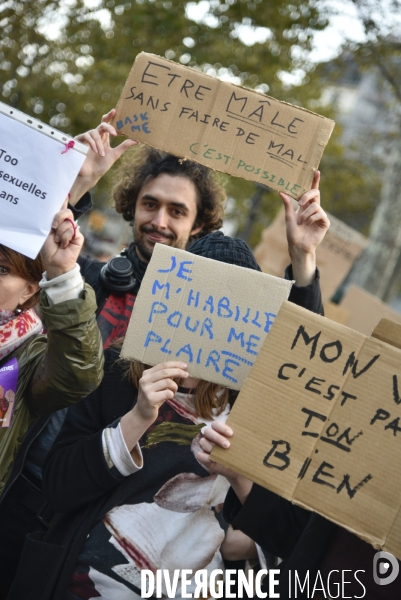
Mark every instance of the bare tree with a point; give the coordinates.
(380, 263)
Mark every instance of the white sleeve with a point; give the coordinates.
(64, 287)
(117, 454)
(261, 556)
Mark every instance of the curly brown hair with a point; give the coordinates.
(147, 164)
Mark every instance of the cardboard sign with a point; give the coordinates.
(36, 174)
(365, 310)
(220, 125)
(209, 314)
(336, 313)
(318, 421)
(335, 255)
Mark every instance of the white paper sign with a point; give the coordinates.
(35, 178)
(208, 314)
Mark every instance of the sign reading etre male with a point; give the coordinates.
(226, 127)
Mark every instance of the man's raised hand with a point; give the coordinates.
(306, 227)
(101, 156)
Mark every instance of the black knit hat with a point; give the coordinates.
(220, 247)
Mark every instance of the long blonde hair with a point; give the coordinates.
(207, 397)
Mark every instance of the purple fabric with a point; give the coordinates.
(8, 390)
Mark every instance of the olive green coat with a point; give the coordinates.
(54, 370)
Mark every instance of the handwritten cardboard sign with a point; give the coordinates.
(318, 421)
(335, 255)
(223, 126)
(35, 178)
(209, 314)
(365, 310)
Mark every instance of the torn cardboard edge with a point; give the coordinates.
(365, 310)
(388, 331)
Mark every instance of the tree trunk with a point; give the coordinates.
(375, 269)
(245, 232)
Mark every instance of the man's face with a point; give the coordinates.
(165, 213)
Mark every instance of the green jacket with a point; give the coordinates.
(54, 370)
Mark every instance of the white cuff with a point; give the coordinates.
(117, 454)
(261, 556)
(64, 287)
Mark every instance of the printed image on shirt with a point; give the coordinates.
(169, 520)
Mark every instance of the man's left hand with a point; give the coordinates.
(306, 227)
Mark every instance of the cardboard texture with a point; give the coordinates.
(228, 128)
(317, 422)
(335, 255)
(336, 313)
(365, 310)
(389, 332)
(209, 314)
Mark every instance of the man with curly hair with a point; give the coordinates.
(168, 201)
(173, 201)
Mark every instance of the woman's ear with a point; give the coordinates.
(31, 288)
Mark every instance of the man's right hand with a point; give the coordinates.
(101, 156)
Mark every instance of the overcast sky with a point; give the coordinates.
(343, 23)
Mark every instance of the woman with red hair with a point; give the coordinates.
(39, 373)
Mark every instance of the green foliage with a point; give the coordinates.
(80, 73)
(66, 62)
(349, 190)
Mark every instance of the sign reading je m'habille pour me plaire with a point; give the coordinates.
(211, 315)
(226, 127)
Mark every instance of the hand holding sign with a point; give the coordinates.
(219, 434)
(318, 418)
(306, 227)
(156, 386)
(62, 246)
(100, 157)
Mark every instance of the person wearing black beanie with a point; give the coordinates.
(232, 251)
